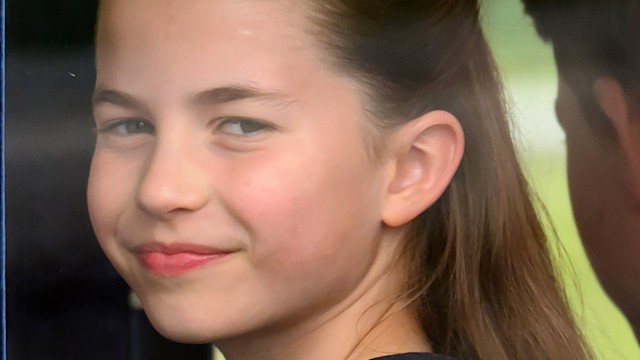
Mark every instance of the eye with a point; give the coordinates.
(126, 127)
(243, 127)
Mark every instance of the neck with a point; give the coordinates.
(377, 333)
(369, 324)
(397, 333)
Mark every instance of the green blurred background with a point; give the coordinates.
(528, 69)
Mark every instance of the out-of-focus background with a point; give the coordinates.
(528, 69)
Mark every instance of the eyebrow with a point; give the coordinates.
(232, 93)
(115, 97)
(215, 96)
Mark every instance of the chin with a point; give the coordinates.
(181, 331)
(192, 327)
(175, 322)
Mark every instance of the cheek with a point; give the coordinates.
(592, 197)
(110, 188)
(304, 206)
(583, 188)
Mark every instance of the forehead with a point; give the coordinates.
(191, 42)
(197, 22)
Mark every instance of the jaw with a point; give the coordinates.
(372, 321)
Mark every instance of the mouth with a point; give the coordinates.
(177, 259)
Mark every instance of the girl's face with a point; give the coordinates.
(232, 184)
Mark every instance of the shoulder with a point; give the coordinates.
(415, 356)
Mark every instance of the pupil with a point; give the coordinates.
(250, 126)
(135, 126)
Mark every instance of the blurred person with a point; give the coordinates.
(596, 45)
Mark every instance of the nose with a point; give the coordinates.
(173, 180)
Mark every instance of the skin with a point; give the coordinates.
(604, 189)
(286, 184)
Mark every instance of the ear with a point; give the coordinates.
(615, 105)
(426, 153)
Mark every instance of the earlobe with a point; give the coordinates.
(614, 103)
(426, 155)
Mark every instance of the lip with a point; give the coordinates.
(177, 259)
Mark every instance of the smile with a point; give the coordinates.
(177, 259)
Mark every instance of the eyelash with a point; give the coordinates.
(145, 127)
(240, 121)
(112, 127)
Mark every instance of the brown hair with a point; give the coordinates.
(480, 270)
(592, 39)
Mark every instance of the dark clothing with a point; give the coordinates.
(415, 356)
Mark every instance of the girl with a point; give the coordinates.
(286, 179)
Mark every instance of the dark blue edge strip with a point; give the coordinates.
(3, 283)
